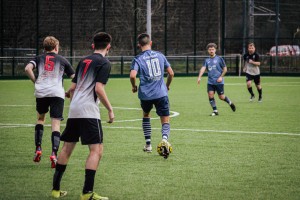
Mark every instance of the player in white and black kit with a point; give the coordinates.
(84, 122)
(251, 67)
(49, 92)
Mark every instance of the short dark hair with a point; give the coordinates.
(251, 44)
(101, 40)
(50, 43)
(211, 45)
(143, 39)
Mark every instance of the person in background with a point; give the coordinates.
(217, 69)
(251, 67)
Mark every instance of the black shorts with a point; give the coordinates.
(256, 78)
(87, 129)
(161, 105)
(214, 88)
(56, 105)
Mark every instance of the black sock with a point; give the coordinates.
(38, 135)
(251, 91)
(259, 92)
(89, 181)
(55, 139)
(213, 103)
(59, 171)
(227, 100)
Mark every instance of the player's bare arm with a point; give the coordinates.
(100, 91)
(29, 71)
(201, 72)
(170, 77)
(133, 74)
(72, 76)
(70, 92)
(222, 75)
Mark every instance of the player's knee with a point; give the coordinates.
(41, 120)
(96, 155)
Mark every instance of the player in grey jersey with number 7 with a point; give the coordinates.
(86, 91)
(150, 65)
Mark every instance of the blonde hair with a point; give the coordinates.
(50, 43)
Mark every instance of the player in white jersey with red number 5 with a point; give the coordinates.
(49, 92)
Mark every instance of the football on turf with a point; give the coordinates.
(162, 147)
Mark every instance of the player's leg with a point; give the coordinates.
(163, 111)
(56, 114)
(164, 147)
(258, 87)
(211, 94)
(93, 137)
(146, 124)
(70, 136)
(42, 105)
(249, 79)
(55, 140)
(91, 166)
(60, 168)
(38, 136)
(221, 94)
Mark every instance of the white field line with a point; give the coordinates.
(2, 125)
(173, 113)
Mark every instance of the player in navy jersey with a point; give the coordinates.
(49, 92)
(86, 92)
(151, 65)
(251, 67)
(217, 69)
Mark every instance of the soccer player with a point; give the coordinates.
(49, 93)
(251, 67)
(217, 69)
(86, 92)
(150, 65)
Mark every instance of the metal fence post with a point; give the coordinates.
(166, 28)
(2, 29)
(187, 65)
(71, 30)
(103, 15)
(13, 67)
(37, 27)
(271, 60)
(122, 65)
(237, 63)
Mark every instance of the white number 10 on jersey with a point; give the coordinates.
(153, 67)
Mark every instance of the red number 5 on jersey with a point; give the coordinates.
(49, 64)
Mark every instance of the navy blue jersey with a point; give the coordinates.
(214, 67)
(150, 66)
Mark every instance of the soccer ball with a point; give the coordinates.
(164, 148)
